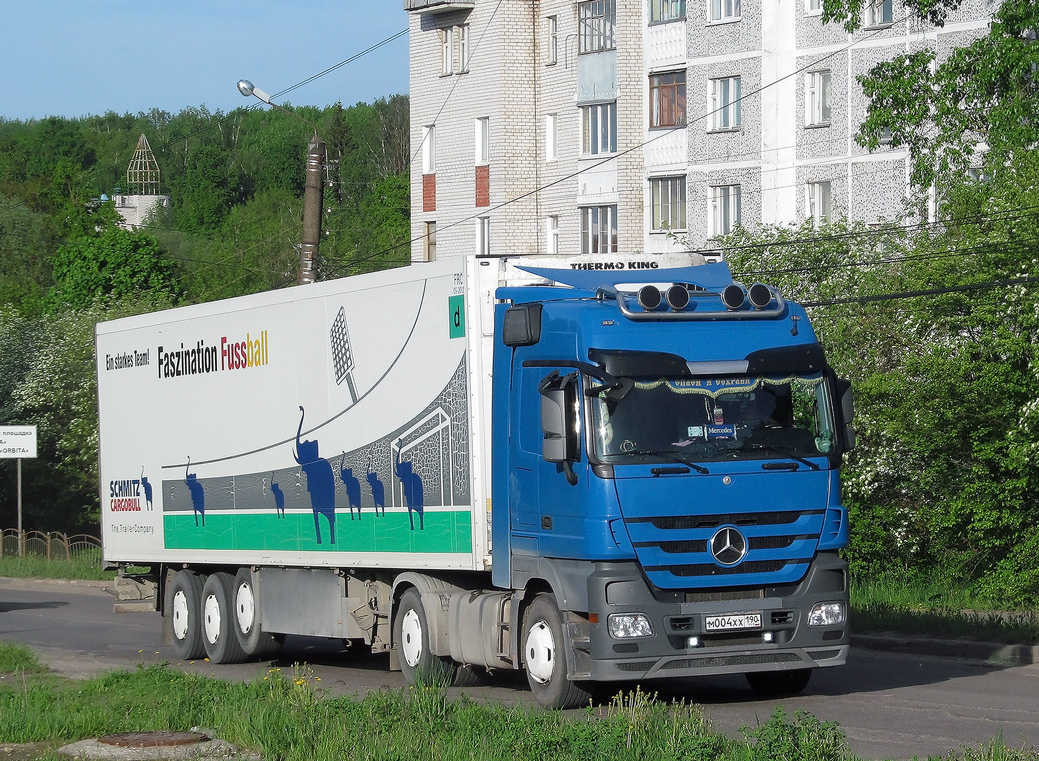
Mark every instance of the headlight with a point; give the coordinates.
(827, 614)
(628, 625)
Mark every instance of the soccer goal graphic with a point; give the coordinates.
(428, 446)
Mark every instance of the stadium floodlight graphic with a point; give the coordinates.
(342, 355)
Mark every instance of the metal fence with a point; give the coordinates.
(52, 545)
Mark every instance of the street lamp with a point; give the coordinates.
(312, 192)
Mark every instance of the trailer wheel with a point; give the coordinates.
(544, 656)
(185, 611)
(411, 638)
(255, 642)
(779, 682)
(218, 616)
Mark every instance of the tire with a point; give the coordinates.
(544, 657)
(411, 638)
(218, 617)
(779, 682)
(467, 675)
(255, 642)
(185, 612)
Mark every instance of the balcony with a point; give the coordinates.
(438, 6)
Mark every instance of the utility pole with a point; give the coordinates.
(313, 200)
(313, 190)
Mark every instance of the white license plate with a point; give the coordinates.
(732, 622)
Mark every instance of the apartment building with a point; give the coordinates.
(606, 126)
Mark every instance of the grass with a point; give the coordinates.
(923, 607)
(85, 566)
(285, 716)
(19, 660)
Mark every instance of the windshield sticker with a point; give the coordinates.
(721, 431)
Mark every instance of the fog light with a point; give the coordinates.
(692, 642)
(629, 625)
(768, 637)
(827, 614)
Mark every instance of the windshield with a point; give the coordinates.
(707, 418)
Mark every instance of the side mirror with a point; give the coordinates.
(559, 442)
(847, 402)
(553, 425)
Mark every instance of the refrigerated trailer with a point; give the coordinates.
(593, 469)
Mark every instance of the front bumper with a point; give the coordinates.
(681, 646)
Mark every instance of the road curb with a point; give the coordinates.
(23, 583)
(994, 653)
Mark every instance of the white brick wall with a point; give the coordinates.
(772, 155)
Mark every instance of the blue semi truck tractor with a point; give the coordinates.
(590, 469)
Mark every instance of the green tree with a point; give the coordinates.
(937, 329)
(850, 13)
(52, 384)
(27, 242)
(255, 251)
(976, 108)
(115, 262)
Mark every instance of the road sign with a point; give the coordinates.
(17, 441)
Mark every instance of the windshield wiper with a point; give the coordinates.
(666, 455)
(783, 453)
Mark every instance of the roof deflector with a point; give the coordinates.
(711, 277)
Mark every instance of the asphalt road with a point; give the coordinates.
(890, 705)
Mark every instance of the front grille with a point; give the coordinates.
(823, 655)
(754, 543)
(726, 595)
(636, 666)
(712, 569)
(685, 522)
(675, 551)
(715, 661)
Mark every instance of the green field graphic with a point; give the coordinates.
(445, 532)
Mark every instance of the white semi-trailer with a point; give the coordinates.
(590, 470)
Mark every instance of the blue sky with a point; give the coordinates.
(74, 58)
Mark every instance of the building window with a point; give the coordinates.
(551, 40)
(447, 51)
(725, 103)
(482, 139)
(667, 195)
(817, 98)
(483, 236)
(813, 6)
(462, 34)
(596, 21)
(878, 13)
(599, 230)
(430, 243)
(599, 128)
(552, 234)
(429, 149)
(667, 99)
(551, 122)
(725, 10)
(977, 174)
(818, 202)
(666, 10)
(724, 212)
